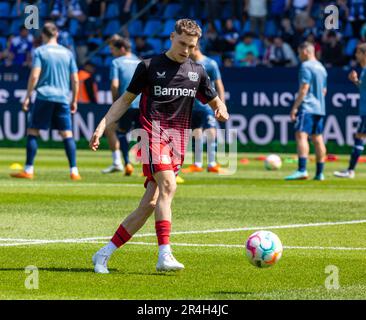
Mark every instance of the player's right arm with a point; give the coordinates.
(116, 111)
(32, 82)
(114, 89)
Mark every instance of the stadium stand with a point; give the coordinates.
(156, 24)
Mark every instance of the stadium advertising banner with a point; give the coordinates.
(259, 101)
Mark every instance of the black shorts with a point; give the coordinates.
(130, 120)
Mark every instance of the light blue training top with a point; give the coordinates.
(313, 73)
(123, 69)
(213, 72)
(362, 88)
(57, 63)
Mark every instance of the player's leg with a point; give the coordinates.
(125, 125)
(302, 153)
(303, 127)
(128, 227)
(320, 153)
(357, 150)
(197, 144)
(39, 117)
(163, 217)
(70, 150)
(61, 120)
(114, 146)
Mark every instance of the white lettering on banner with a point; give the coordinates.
(244, 99)
(240, 123)
(4, 95)
(332, 131)
(237, 122)
(278, 99)
(339, 99)
(269, 132)
(283, 120)
(351, 128)
(16, 136)
(80, 126)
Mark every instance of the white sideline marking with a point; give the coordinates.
(289, 226)
(214, 245)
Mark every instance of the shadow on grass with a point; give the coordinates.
(91, 270)
(236, 293)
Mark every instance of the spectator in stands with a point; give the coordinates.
(210, 39)
(257, 12)
(281, 54)
(230, 36)
(300, 6)
(124, 10)
(243, 49)
(96, 10)
(212, 8)
(62, 10)
(143, 49)
(237, 9)
(88, 88)
(227, 61)
(278, 11)
(287, 32)
(356, 10)
(20, 49)
(332, 49)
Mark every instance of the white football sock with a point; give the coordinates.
(109, 248)
(116, 156)
(74, 170)
(164, 248)
(29, 169)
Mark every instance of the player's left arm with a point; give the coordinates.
(303, 90)
(75, 91)
(32, 82)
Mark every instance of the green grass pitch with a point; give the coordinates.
(51, 207)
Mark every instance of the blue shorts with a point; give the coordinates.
(309, 123)
(45, 114)
(362, 126)
(203, 118)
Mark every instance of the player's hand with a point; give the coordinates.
(293, 115)
(353, 76)
(25, 105)
(94, 141)
(74, 107)
(221, 114)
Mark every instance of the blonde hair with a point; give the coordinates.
(189, 27)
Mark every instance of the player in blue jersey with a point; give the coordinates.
(308, 112)
(203, 118)
(53, 67)
(360, 136)
(121, 72)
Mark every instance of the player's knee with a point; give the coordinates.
(33, 132)
(168, 187)
(65, 134)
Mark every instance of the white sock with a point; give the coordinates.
(29, 169)
(74, 170)
(116, 156)
(212, 164)
(109, 248)
(164, 248)
(198, 164)
(198, 151)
